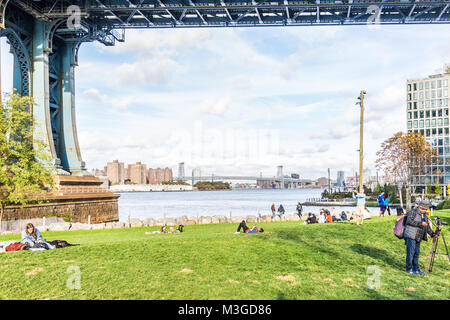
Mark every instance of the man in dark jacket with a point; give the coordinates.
(417, 227)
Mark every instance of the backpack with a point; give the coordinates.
(380, 199)
(399, 227)
(18, 246)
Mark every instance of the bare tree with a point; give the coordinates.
(404, 156)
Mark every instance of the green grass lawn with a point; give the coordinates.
(288, 261)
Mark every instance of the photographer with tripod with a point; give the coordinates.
(417, 227)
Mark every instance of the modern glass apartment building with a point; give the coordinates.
(428, 113)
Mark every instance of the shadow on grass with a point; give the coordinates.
(374, 295)
(296, 237)
(379, 254)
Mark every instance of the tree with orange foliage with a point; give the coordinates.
(404, 156)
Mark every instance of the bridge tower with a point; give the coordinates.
(45, 57)
(44, 67)
(280, 176)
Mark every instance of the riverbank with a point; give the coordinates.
(119, 188)
(43, 225)
(331, 261)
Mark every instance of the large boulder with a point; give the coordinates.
(136, 223)
(42, 228)
(205, 220)
(171, 222)
(189, 222)
(266, 218)
(98, 226)
(215, 220)
(80, 226)
(251, 219)
(293, 217)
(276, 219)
(237, 219)
(62, 226)
(182, 219)
(118, 225)
(221, 219)
(149, 222)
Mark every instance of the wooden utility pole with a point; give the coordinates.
(361, 136)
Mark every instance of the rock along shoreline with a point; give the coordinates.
(152, 222)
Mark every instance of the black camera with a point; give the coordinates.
(439, 222)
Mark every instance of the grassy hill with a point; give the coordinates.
(288, 261)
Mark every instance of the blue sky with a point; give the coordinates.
(245, 100)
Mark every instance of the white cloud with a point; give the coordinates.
(302, 82)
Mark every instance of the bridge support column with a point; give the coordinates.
(70, 150)
(41, 92)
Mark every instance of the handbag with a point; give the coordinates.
(399, 227)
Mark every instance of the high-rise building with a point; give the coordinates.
(427, 112)
(115, 172)
(181, 170)
(158, 175)
(168, 175)
(340, 179)
(137, 173)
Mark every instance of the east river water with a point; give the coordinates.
(246, 202)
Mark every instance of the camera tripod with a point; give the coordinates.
(434, 245)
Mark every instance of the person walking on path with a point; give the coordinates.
(381, 203)
(274, 210)
(281, 211)
(386, 204)
(417, 227)
(299, 209)
(360, 206)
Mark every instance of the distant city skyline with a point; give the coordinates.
(246, 100)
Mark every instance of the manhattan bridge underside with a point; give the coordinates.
(45, 36)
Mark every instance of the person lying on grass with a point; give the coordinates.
(33, 238)
(246, 229)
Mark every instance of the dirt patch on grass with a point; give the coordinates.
(410, 289)
(254, 281)
(232, 281)
(290, 279)
(34, 272)
(186, 271)
(286, 278)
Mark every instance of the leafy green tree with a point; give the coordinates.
(429, 189)
(437, 188)
(25, 170)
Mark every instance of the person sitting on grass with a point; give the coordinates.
(343, 216)
(246, 229)
(33, 238)
(328, 217)
(321, 216)
(311, 218)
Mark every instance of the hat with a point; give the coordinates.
(424, 205)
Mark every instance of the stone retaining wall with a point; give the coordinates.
(151, 222)
(97, 211)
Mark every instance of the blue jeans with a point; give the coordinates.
(412, 254)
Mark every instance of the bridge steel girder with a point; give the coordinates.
(240, 13)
